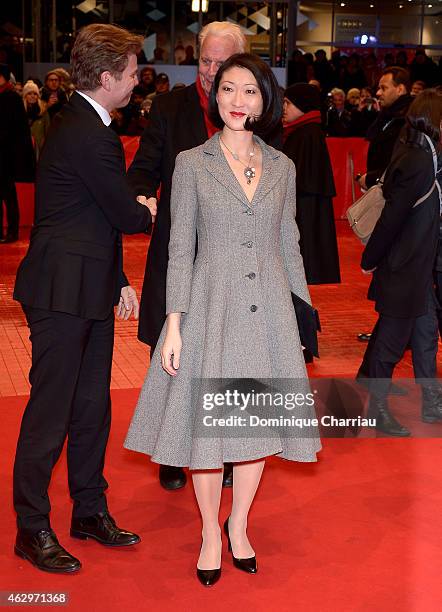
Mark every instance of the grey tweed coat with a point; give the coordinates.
(238, 320)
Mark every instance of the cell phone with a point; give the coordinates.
(370, 100)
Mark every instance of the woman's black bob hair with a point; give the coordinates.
(268, 86)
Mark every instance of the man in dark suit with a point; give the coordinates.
(68, 284)
(178, 121)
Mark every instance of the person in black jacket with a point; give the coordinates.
(177, 121)
(394, 100)
(401, 254)
(17, 159)
(68, 284)
(304, 143)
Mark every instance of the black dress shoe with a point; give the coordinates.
(431, 405)
(228, 475)
(385, 421)
(247, 565)
(172, 478)
(9, 238)
(208, 577)
(43, 550)
(102, 527)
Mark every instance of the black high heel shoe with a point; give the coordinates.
(208, 577)
(246, 565)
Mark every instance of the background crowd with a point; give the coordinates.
(351, 104)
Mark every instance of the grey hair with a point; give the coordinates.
(224, 29)
(337, 90)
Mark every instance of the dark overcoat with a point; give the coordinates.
(176, 123)
(404, 241)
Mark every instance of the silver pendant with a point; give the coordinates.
(250, 174)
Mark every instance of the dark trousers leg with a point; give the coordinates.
(424, 340)
(8, 193)
(90, 422)
(59, 343)
(391, 340)
(364, 368)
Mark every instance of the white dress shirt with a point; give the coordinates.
(104, 115)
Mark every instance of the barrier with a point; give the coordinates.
(348, 157)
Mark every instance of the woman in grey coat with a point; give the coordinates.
(230, 325)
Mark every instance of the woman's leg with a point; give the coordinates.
(208, 486)
(246, 477)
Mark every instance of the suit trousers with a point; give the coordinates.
(70, 398)
(8, 195)
(389, 340)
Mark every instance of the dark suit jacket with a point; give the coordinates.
(83, 203)
(404, 241)
(176, 123)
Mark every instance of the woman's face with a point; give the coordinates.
(291, 112)
(31, 97)
(353, 99)
(238, 97)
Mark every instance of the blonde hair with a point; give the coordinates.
(354, 91)
(31, 87)
(99, 48)
(224, 29)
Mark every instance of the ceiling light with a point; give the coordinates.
(342, 3)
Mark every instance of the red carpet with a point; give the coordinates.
(360, 530)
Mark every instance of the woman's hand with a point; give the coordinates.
(171, 349)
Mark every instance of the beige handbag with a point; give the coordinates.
(365, 212)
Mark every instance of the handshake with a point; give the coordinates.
(151, 204)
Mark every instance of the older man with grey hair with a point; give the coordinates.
(178, 121)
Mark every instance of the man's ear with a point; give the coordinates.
(105, 78)
(402, 89)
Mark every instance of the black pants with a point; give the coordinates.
(8, 195)
(390, 338)
(70, 397)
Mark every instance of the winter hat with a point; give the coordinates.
(306, 97)
(30, 87)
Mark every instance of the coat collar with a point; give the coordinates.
(217, 165)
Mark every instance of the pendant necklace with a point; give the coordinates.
(249, 170)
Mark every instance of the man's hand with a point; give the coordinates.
(128, 304)
(151, 204)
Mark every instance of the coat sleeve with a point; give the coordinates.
(145, 171)
(102, 170)
(183, 208)
(291, 254)
(402, 188)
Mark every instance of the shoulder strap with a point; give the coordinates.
(435, 184)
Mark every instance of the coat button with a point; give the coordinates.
(253, 308)
(249, 212)
(252, 275)
(249, 244)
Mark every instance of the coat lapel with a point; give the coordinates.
(218, 166)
